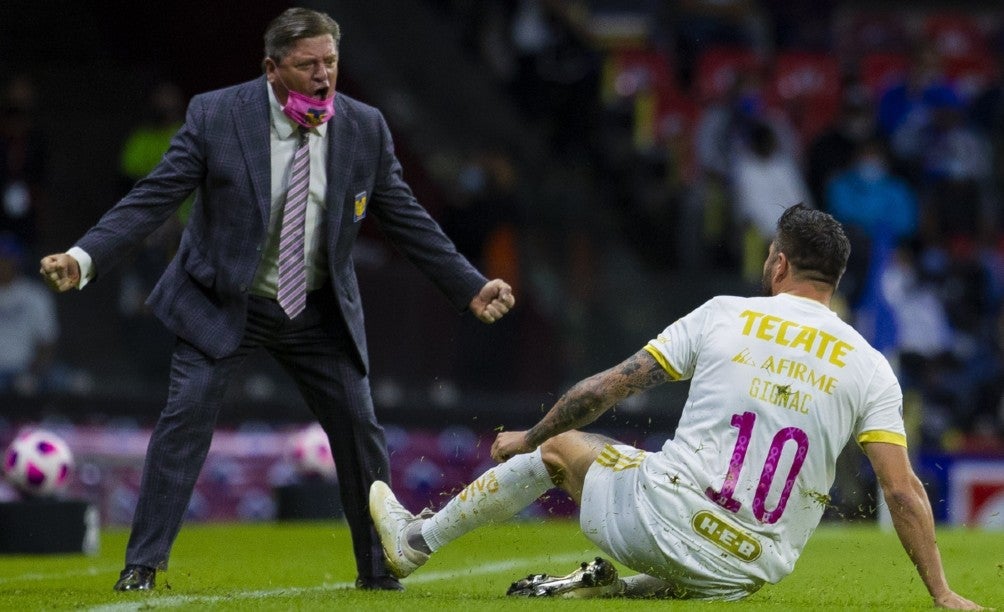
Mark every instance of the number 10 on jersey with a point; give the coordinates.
(725, 497)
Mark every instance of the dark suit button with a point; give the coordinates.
(244, 288)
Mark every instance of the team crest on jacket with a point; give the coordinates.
(360, 206)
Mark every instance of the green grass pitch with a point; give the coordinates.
(308, 566)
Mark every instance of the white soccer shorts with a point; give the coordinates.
(616, 514)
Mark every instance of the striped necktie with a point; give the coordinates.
(292, 283)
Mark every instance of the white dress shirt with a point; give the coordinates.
(284, 136)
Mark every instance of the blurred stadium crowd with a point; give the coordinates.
(618, 161)
(690, 125)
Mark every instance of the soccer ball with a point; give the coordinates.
(311, 453)
(38, 463)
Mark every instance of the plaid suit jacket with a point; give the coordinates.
(222, 152)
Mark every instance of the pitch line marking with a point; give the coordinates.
(34, 576)
(174, 601)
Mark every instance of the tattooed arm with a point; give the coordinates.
(584, 403)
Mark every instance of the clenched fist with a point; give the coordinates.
(493, 301)
(60, 271)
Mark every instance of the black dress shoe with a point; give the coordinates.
(379, 583)
(136, 578)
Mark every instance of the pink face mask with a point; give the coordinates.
(306, 111)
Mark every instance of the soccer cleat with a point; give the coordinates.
(597, 578)
(392, 520)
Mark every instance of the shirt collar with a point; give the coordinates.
(284, 126)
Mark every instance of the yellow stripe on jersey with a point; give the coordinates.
(611, 458)
(654, 352)
(878, 435)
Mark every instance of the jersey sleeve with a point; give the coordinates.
(882, 418)
(677, 347)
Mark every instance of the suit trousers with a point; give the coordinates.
(316, 350)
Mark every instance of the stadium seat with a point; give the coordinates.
(807, 86)
(627, 72)
(718, 69)
(672, 122)
(954, 34)
(881, 69)
(872, 31)
(971, 74)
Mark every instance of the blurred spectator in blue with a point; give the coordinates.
(725, 123)
(23, 161)
(868, 196)
(987, 116)
(989, 422)
(952, 165)
(968, 296)
(983, 426)
(924, 335)
(28, 324)
(902, 309)
(765, 181)
(956, 384)
(925, 76)
(871, 202)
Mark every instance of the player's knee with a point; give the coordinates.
(555, 448)
(561, 453)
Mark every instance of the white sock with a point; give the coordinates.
(645, 586)
(497, 495)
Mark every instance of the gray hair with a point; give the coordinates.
(294, 24)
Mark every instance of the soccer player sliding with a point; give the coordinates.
(727, 504)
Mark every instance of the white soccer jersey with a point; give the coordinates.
(779, 385)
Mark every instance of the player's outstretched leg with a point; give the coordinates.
(394, 524)
(501, 492)
(597, 578)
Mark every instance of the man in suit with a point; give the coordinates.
(258, 267)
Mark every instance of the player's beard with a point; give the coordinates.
(765, 283)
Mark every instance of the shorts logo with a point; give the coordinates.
(359, 208)
(724, 535)
(611, 458)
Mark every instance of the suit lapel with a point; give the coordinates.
(251, 116)
(342, 135)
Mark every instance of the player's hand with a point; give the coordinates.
(493, 301)
(954, 601)
(60, 271)
(509, 443)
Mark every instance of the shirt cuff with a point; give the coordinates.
(878, 435)
(85, 263)
(657, 354)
